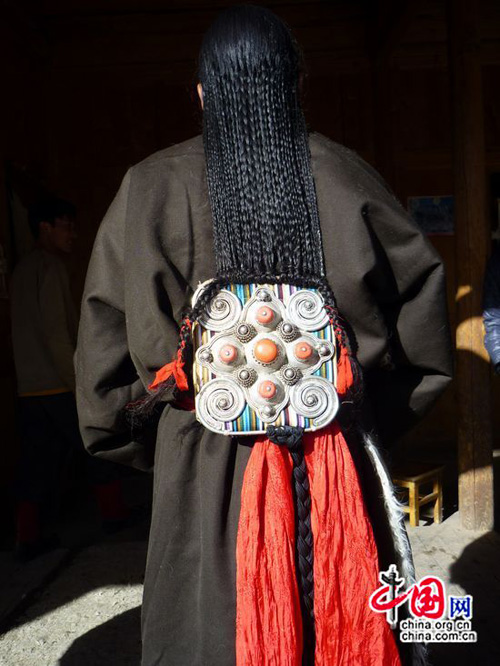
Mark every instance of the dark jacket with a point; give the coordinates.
(44, 325)
(491, 309)
(153, 248)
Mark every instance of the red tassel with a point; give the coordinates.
(345, 377)
(174, 368)
(268, 618)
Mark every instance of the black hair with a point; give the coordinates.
(263, 200)
(260, 182)
(49, 210)
(261, 186)
(265, 215)
(262, 195)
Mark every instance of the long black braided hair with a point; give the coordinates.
(266, 226)
(265, 215)
(262, 195)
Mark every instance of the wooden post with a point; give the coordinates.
(437, 489)
(414, 505)
(472, 238)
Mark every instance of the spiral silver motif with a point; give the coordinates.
(306, 310)
(311, 400)
(222, 312)
(315, 398)
(219, 402)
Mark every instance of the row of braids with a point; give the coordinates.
(264, 209)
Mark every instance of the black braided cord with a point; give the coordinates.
(291, 437)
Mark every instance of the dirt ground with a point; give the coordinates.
(89, 614)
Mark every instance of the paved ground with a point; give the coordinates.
(469, 563)
(90, 613)
(79, 604)
(87, 608)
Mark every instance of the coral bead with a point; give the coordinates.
(267, 389)
(303, 351)
(228, 354)
(266, 351)
(265, 315)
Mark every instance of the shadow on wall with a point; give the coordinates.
(100, 646)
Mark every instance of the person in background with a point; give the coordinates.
(44, 328)
(491, 309)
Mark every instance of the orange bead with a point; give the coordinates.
(265, 315)
(265, 350)
(303, 351)
(267, 389)
(228, 354)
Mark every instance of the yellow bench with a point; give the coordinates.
(411, 477)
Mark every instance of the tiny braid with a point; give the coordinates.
(291, 437)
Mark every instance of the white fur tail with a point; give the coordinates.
(395, 514)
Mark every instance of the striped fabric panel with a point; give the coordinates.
(249, 422)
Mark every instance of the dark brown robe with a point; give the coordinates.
(153, 248)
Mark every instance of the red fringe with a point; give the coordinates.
(174, 368)
(345, 377)
(268, 619)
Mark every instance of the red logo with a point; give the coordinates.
(427, 597)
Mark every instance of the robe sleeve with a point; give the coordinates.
(106, 377)
(408, 285)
